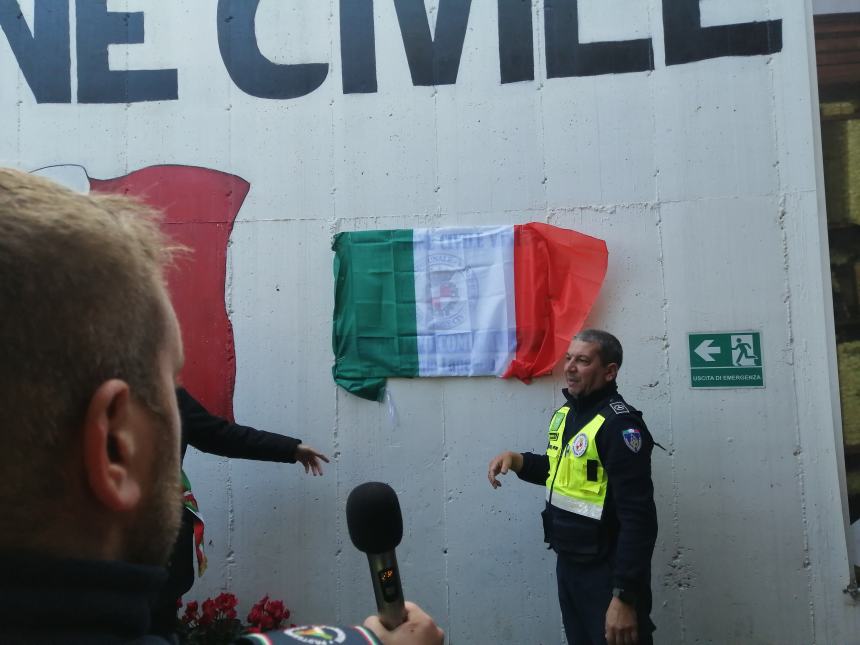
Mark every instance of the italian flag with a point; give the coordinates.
(460, 301)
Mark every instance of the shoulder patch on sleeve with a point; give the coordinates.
(632, 439)
(618, 407)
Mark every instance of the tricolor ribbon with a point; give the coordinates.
(190, 502)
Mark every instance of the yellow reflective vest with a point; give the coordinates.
(577, 481)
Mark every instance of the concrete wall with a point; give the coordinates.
(703, 179)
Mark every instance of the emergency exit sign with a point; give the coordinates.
(726, 359)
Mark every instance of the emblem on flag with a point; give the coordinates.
(633, 439)
(452, 287)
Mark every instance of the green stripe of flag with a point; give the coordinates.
(375, 329)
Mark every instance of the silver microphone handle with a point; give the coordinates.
(387, 588)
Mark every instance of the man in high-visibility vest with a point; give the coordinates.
(600, 516)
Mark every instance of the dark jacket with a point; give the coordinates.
(627, 531)
(71, 602)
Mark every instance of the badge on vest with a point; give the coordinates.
(557, 418)
(633, 439)
(619, 408)
(580, 444)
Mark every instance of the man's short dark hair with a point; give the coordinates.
(608, 346)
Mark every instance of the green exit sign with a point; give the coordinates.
(726, 359)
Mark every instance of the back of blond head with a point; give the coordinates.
(81, 302)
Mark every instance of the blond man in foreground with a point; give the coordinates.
(90, 439)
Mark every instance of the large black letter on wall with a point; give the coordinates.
(687, 41)
(566, 56)
(357, 47)
(516, 41)
(97, 83)
(43, 56)
(252, 72)
(433, 61)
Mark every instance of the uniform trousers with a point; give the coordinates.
(584, 593)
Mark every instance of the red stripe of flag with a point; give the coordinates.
(557, 276)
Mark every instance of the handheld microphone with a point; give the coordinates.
(376, 528)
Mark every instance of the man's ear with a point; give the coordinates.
(611, 372)
(110, 448)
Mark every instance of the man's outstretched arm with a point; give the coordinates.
(218, 436)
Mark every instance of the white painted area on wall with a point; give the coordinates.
(702, 180)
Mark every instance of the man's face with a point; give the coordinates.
(584, 370)
(154, 530)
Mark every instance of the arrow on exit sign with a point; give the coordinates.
(726, 359)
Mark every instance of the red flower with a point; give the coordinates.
(275, 608)
(217, 619)
(190, 614)
(266, 622)
(210, 612)
(255, 615)
(226, 601)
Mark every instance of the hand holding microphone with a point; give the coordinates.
(376, 528)
(419, 629)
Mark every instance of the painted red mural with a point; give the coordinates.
(200, 206)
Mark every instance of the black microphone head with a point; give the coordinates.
(373, 518)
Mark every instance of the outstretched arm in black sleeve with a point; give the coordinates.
(218, 436)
